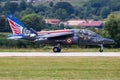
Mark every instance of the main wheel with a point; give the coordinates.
(56, 49)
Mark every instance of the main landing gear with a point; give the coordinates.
(57, 48)
(101, 48)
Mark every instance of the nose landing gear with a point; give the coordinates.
(101, 48)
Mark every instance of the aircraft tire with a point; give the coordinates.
(56, 49)
(100, 50)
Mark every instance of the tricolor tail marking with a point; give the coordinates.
(14, 27)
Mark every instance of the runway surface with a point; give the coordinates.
(35, 54)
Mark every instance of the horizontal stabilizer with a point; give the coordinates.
(15, 37)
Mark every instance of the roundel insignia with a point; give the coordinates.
(26, 32)
(69, 40)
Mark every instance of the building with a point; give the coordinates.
(96, 24)
(52, 21)
(84, 23)
(73, 22)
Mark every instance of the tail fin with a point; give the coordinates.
(16, 26)
(18, 29)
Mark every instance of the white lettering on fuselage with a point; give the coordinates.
(59, 40)
(40, 39)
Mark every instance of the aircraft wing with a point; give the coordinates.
(54, 35)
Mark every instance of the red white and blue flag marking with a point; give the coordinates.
(15, 28)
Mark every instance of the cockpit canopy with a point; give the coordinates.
(85, 32)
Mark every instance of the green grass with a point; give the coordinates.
(63, 50)
(59, 68)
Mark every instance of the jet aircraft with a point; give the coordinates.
(56, 37)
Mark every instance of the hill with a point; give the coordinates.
(73, 2)
(116, 13)
(46, 2)
(99, 8)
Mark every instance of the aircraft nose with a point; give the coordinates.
(108, 41)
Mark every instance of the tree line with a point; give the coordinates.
(99, 9)
(95, 9)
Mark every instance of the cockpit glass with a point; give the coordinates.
(87, 32)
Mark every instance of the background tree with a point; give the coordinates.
(61, 14)
(33, 20)
(105, 11)
(2, 23)
(23, 5)
(112, 25)
(99, 8)
(1, 9)
(51, 3)
(29, 5)
(27, 11)
(40, 9)
(103, 33)
(64, 5)
(10, 7)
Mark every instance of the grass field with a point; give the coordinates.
(59, 68)
(63, 50)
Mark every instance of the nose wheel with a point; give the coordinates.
(101, 48)
(57, 49)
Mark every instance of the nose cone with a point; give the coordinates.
(108, 41)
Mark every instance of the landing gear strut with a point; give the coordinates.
(101, 48)
(57, 48)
